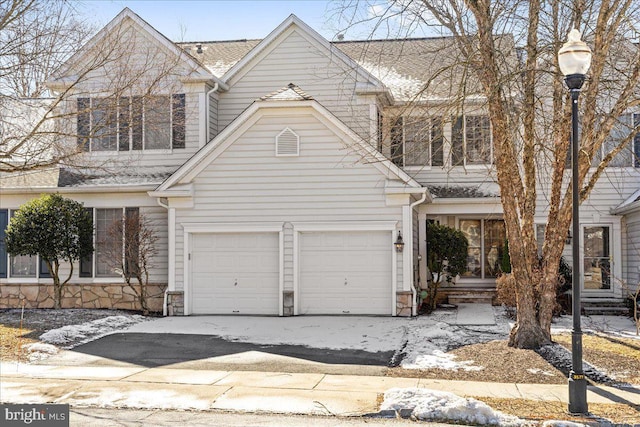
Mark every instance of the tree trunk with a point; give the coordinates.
(527, 332)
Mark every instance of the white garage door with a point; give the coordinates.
(345, 273)
(235, 273)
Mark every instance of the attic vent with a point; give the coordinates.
(287, 143)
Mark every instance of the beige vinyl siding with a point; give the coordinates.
(631, 260)
(248, 183)
(213, 115)
(295, 59)
(149, 61)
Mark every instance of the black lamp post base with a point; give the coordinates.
(577, 394)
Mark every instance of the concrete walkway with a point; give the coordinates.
(475, 314)
(299, 393)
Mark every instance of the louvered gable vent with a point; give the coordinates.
(287, 143)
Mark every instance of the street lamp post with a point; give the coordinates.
(574, 59)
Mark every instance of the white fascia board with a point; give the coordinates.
(233, 227)
(346, 226)
(176, 191)
(313, 36)
(134, 188)
(629, 205)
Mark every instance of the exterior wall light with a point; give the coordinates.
(399, 244)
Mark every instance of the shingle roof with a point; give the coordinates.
(406, 66)
(219, 56)
(56, 177)
(458, 192)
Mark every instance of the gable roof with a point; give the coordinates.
(174, 185)
(405, 66)
(198, 69)
(312, 36)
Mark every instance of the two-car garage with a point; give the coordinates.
(334, 272)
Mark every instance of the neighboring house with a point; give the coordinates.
(281, 174)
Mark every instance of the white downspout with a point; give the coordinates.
(206, 101)
(407, 230)
(171, 222)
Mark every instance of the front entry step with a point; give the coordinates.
(470, 295)
(605, 307)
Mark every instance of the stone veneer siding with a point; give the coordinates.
(403, 303)
(113, 296)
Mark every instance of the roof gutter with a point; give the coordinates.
(89, 189)
(407, 226)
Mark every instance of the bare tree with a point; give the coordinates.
(65, 95)
(530, 115)
(130, 246)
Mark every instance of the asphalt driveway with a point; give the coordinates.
(337, 345)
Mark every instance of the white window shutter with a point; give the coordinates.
(287, 143)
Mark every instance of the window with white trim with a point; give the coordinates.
(471, 140)
(108, 243)
(19, 266)
(417, 141)
(131, 123)
(629, 156)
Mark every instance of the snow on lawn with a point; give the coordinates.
(619, 326)
(71, 335)
(38, 351)
(431, 405)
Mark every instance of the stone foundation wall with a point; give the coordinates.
(113, 296)
(404, 303)
(175, 303)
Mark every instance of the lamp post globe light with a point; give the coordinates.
(574, 59)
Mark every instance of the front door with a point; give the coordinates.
(596, 259)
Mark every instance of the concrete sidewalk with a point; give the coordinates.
(299, 393)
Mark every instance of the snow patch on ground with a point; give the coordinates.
(431, 405)
(439, 360)
(39, 351)
(557, 423)
(71, 335)
(540, 371)
(619, 326)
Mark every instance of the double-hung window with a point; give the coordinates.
(18, 266)
(109, 243)
(629, 156)
(131, 123)
(471, 140)
(417, 141)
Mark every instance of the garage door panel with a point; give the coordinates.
(235, 273)
(345, 272)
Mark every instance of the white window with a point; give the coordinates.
(417, 141)
(131, 123)
(109, 242)
(27, 266)
(471, 140)
(629, 156)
